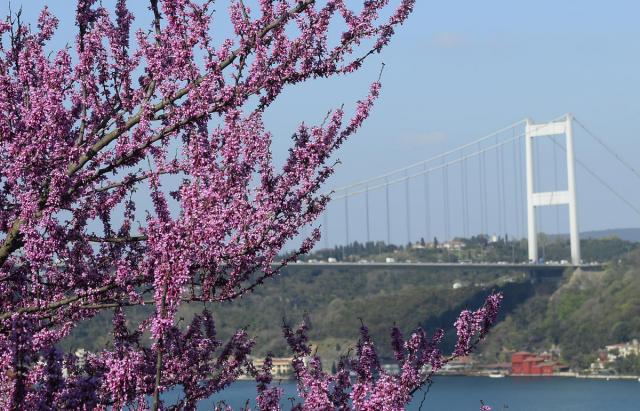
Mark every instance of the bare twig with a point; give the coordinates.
(58, 304)
(159, 346)
(118, 240)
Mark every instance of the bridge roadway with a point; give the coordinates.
(553, 269)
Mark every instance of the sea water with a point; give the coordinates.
(465, 394)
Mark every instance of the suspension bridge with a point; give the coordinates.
(495, 186)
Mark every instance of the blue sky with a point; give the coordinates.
(460, 69)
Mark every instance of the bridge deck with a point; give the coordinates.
(475, 266)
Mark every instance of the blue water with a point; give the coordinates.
(465, 393)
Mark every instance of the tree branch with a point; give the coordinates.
(106, 140)
(118, 240)
(57, 304)
(11, 242)
(160, 346)
(132, 180)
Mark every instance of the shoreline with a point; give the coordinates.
(484, 375)
(554, 375)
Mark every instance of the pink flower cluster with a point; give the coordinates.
(419, 358)
(477, 323)
(137, 170)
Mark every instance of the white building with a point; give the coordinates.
(622, 350)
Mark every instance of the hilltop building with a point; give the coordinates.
(453, 245)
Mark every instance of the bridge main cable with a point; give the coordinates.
(609, 149)
(429, 170)
(602, 181)
(431, 159)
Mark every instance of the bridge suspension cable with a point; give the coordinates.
(483, 194)
(608, 148)
(499, 189)
(504, 192)
(516, 180)
(408, 209)
(346, 217)
(388, 213)
(521, 179)
(367, 214)
(465, 197)
(602, 181)
(555, 182)
(445, 198)
(427, 199)
(325, 228)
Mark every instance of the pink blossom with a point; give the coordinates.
(89, 135)
(419, 358)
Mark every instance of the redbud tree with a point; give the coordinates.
(89, 136)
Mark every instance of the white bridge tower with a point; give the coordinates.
(540, 199)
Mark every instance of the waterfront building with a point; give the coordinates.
(526, 363)
(281, 367)
(622, 350)
(458, 366)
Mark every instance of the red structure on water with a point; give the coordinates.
(526, 363)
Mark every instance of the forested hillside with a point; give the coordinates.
(589, 311)
(335, 301)
(579, 312)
